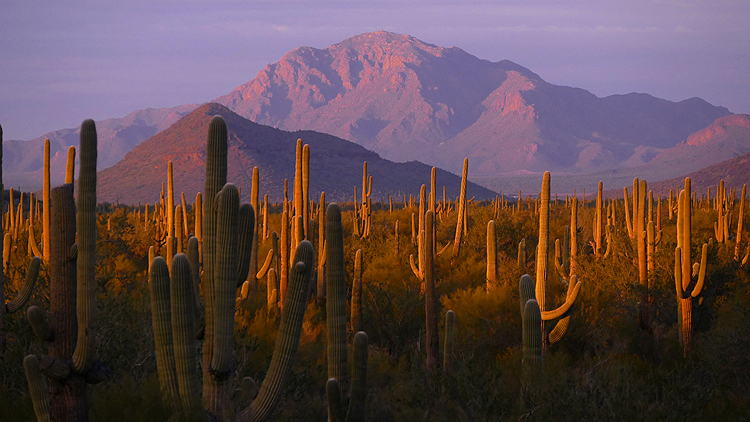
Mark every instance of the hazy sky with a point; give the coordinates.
(64, 61)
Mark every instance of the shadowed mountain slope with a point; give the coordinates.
(335, 164)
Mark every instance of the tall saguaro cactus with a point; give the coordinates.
(542, 261)
(685, 289)
(71, 328)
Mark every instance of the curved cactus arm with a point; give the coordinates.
(701, 272)
(266, 265)
(287, 340)
(419, 274)
(39, 323)
(32, 273)
(32, 241)
(573, 288)
(37, 388)
(561, 327)
(445, 248)
(333, 393)
(358, 390)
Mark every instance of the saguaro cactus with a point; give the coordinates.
(461, 210)
(685, 289)
(71, 328)
(542, 262)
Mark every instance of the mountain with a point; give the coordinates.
(735, 173)
(335, 164)
(409, 100)
(23, 160)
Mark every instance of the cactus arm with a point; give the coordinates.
(32, 241)
(701, 273)
(532, 334)
(70, 165)
(358, 391)
(161, 312)
(183, 329)
(333, 392)
(526, 290)
(419, 274)
(573, 288)
(24, 295)
(225, 278)
(266, 265)
(39, 323)
(445, 248)
(678, 273)
(287, 340)
(37, 388)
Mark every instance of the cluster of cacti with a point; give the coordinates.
(31, 273)
(194, 279)
(227, 230)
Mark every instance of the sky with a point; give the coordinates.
(64, 61)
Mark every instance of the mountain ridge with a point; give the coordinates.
(335, 164)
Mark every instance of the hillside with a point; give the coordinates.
(335, 164)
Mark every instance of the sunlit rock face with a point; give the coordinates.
(410, 100)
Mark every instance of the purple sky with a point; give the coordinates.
(64, 61)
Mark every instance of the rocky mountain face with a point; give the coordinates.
(409, 100)
(335, 164)
(23, 160)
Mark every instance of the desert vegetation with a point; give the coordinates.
(423, 308)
